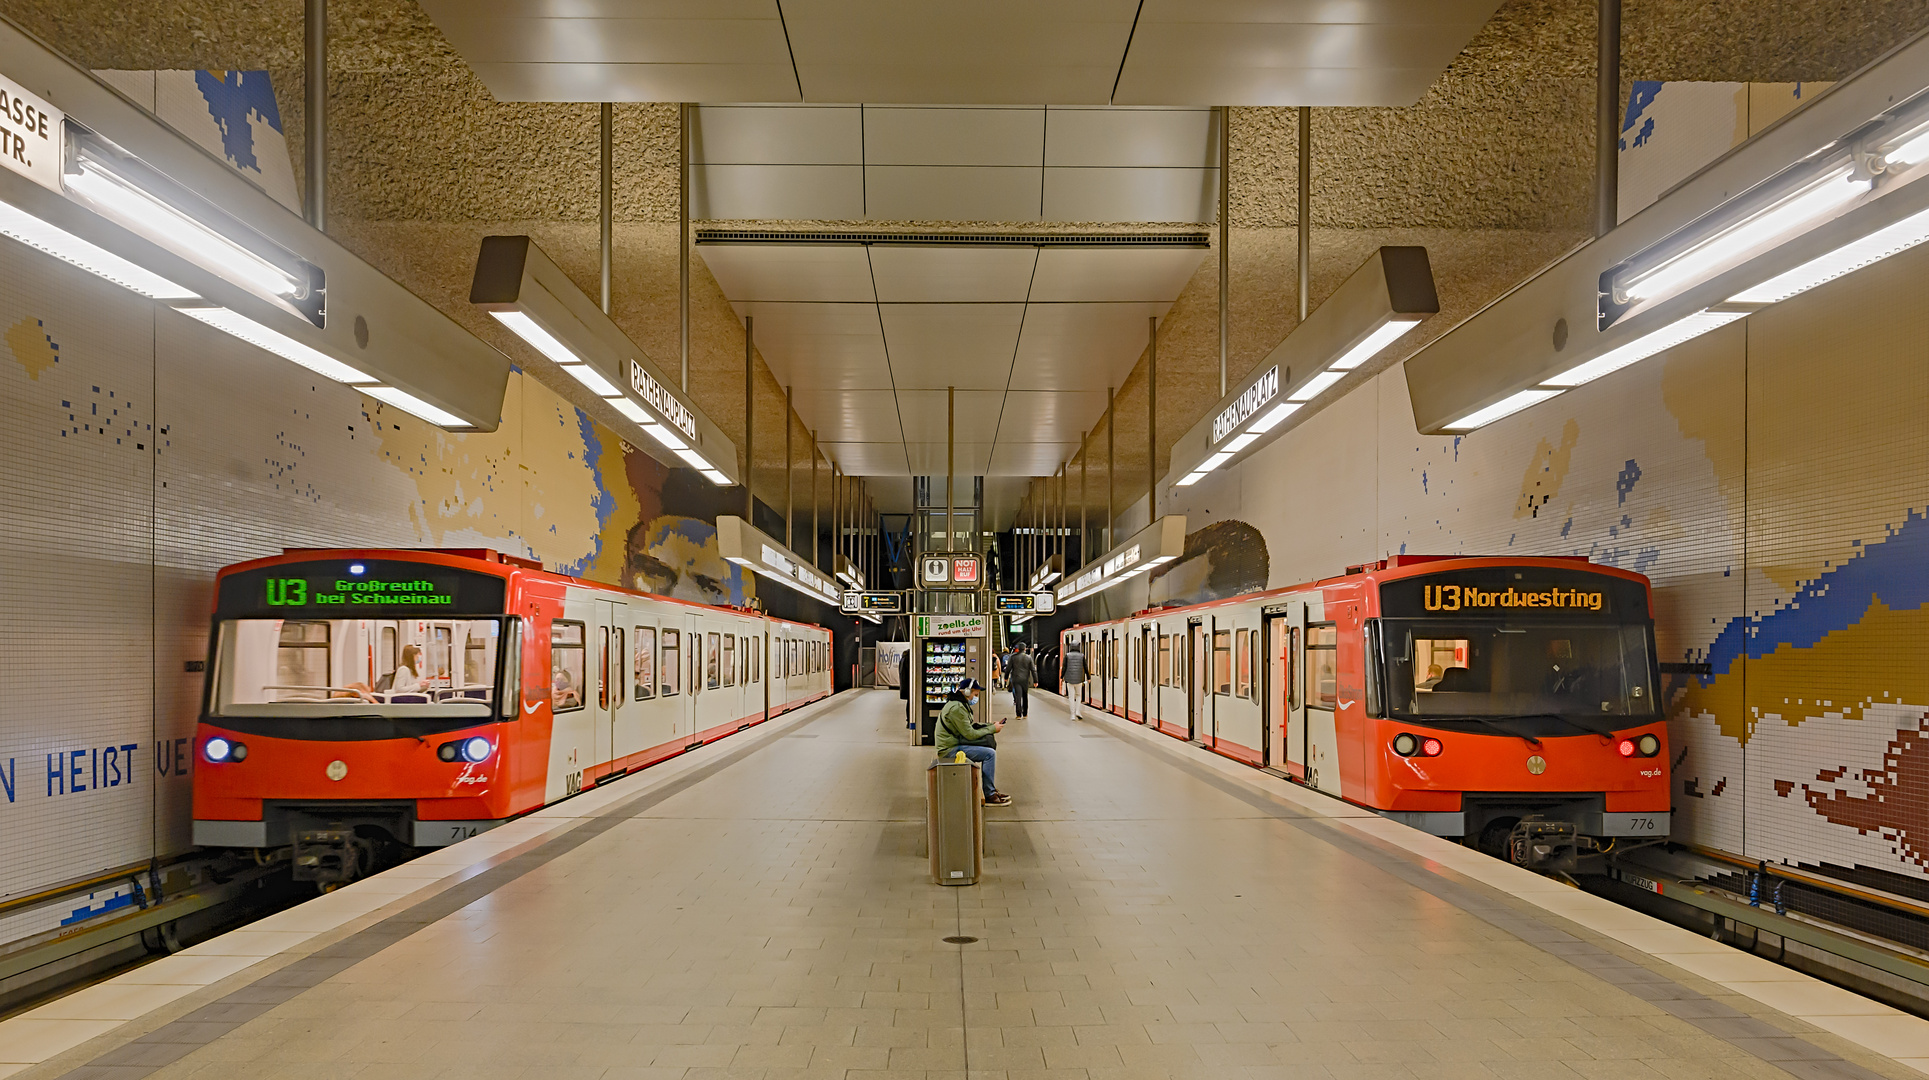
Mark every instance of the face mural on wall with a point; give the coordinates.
(671, 547)
(1226, 558)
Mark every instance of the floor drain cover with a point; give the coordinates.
(960, 939)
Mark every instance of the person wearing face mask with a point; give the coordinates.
(960, 732)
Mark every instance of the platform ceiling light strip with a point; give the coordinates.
(1846, 259)
(1385, 297)
(524, 290)
(1153, 546)
(65, 246)
(282, 345)
(744, 544)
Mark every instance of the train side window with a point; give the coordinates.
(1165, 660)
(1242, 662)
(603, 669)
(1293, 665)
(1322, 666)
(510, 700)
(728, 665)
(672, 662)
(618, 685)
(643, 663)
(1222, 661)
(387, 656)
(476, 661)
(712, 677)
(566, 666)
(756, 660)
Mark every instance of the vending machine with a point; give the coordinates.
(946, 649)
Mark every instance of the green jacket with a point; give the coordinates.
(956, 726)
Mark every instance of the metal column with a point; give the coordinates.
(749, 422)
(606, 187)
(1152, 423)
(1305, 211)
(683, 239)
(790, 482)
(1225, 252)
(1607, 117)
(315, 113)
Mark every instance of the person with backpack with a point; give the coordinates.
(1073, 673)
(1021, 673)
(960, 732)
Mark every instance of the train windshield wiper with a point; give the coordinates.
(1568, 720)
(1502, 724)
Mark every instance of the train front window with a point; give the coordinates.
(1531, 671)
(320, 668)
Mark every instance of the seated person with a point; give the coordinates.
(960, 732)
(562, 690)
(1433, 677)
(406, 679)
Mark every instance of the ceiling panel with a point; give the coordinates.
(1109, 274)
(847, 415)
(765, 135)
(1030, 459)
(777, 192)
(619, 40)
(951, 193)
(969, 459)
(903, 136)
(1081, 346)
(1030, 415)
(1308, 45)
(1188, 195)
(821, 346)
(930, 275)
(969, 346)
(1133, 138)
(867, 458)
(1279, 87)
(797, 272)
(578, 82)
(978, 412)
(1158, 12)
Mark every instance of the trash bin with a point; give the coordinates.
(956, 814)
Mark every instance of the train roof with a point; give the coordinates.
(488, 561)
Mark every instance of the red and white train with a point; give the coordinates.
(1510, 702)
(362, 697)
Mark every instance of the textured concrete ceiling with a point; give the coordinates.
(1490, 169)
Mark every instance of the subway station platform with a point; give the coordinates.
(759, 908)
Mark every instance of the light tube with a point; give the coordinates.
(716, 477)
(631, 410)
(1189, 479)
(67, 247)
(593, 379)
(544, 341)
(1240, 442)
(414, 406)
(1641, 348)
(1316, 386)
(1914, 149)
(145, 213)
(1848, 258)
(1272, 419)
(1214, 461)
(282, 345)
(1377, 340)
(662, 434)
(710, 472)
(1728, 245)
(1504, 407)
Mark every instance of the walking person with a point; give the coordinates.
(1021, 673)
(904, 687)
(1072, 673)
(960, 732)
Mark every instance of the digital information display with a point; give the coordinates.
(1043, 602)
(332, 588)
(1511, 593)
(873, 603)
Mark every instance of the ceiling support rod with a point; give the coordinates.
(1084, 479)
(749, 420)
(683, 241)
(1305, 211)
(950, 451)
(1152, 422)
(815, 559)
(790, 482)
(1225, 252)
(1607, 117)
(837, 517)
(1111, 486)
(314, 118)
(607, 188)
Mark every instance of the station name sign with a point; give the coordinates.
(665, 403)
(31, 135)
(1264, 389)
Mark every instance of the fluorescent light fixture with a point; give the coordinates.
(1913, 148)
(709, 471)
(663, 435)
(589, 377)
(1504, 407)
(1272, 419)
(632, 411)
(545, 342)
(1846, 259)
(716, 478)
(1727, 246)
(67, 247)
(749, 547)
(1189, 479)
(414, 406)
(1240, 442)
(1316, 386)
(1643, 347)
(1377, 340)
(287, 348)
(1214, 461)
(115, 188)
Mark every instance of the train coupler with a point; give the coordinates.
(1545, 845)
(331, 857)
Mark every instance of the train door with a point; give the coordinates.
(1147, 673)
(1196, 681)
(1284, 714)
(605, 692)
(1320, 694)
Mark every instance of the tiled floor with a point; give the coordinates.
(1141, 916)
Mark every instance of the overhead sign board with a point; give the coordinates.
(941, 570)
(1263, 389)
(873, 603)
(950, 626)
(1042, 602)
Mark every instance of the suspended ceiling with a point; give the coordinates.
(1070, 52)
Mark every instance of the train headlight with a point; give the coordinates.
(1648, 745)
(1405, 745)
(476, 749)
(219, 750)
(448, 751)
(1625, 747)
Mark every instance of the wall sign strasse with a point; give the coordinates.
(30, 135)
